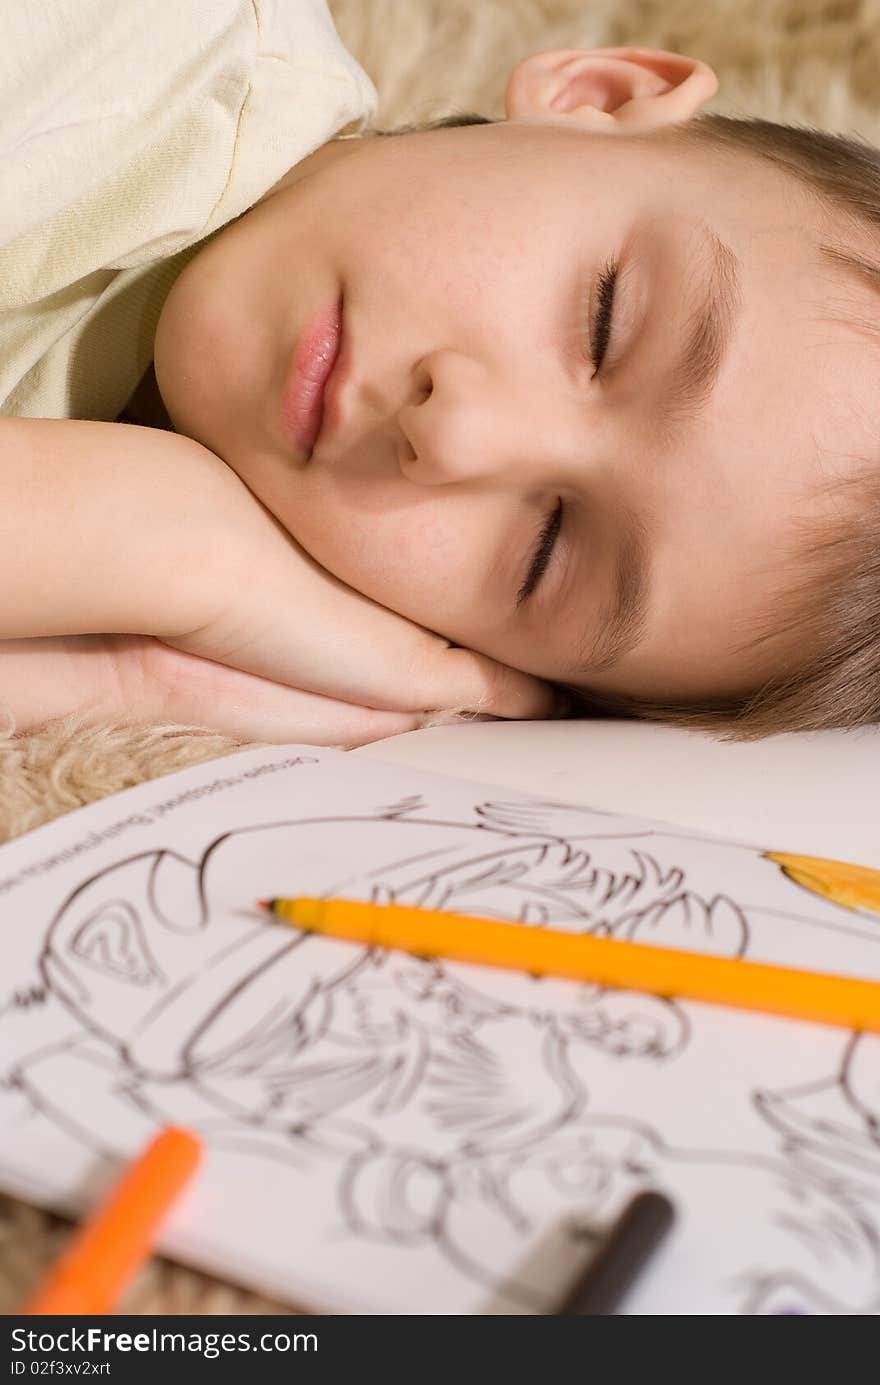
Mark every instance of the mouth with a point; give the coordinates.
(316, 353)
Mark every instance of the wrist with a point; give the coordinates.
(109, 528)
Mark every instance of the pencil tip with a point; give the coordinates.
(265, 903)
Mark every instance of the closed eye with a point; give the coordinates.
(542, 554)
(600, 328)
(600, 335)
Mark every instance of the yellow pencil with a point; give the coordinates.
(852, 887)
(805, 995)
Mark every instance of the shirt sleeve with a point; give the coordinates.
(87, 86)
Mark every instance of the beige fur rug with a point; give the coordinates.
(798, 60)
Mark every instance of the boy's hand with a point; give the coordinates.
(169, 685)
(278, 615)
(135, 679)
(140, 575)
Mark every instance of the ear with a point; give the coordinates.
(610, 90)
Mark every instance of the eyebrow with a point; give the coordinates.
(691, 386)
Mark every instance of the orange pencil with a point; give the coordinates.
(822, 997)
(105, 1254)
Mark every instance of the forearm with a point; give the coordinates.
(99, 528)
(45, 678)
(135, 679)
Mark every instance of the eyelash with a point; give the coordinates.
(544, 549)
(600, 329)
(599, 333)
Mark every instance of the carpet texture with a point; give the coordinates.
(812, 61)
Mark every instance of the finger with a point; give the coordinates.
(460, 679)
(188, 690)
(352, 649)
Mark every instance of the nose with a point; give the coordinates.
(468, 423)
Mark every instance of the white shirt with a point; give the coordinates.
(129, 132)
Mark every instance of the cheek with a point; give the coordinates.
(404, 561)
(421, 553)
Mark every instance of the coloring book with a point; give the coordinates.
(387, 1134)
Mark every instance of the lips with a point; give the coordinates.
(313, 361)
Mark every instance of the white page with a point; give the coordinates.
(390, 1135)
(811, 792)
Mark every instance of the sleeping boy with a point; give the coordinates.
(309, 434)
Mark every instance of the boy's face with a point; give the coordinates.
(466, 411)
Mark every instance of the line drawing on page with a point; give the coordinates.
(449, 1107)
